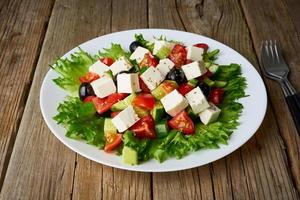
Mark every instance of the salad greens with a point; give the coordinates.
(81, 122)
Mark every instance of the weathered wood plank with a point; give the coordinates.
(22, 29)
(41, 167)
(283, 29)
(249, 172)
(92, 180)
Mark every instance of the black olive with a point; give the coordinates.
(176, 75)
(85, 90)
(134, 45)
(205, 88)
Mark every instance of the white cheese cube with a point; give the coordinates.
(152, 77)
(120, 65)
(103, 86)
(139, 54)
(164, 66)
(98, 68)
(174, 103)
(125, 119)
(128, 83)
(209, 115)
(194, 70)
(197, 100)
(194, 53)
(160, 44)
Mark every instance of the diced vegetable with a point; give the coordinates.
(130, 156)
(162, 129)
(164, 88)
(112, 142)
(158, 111)
(144, 128)
(182, 122)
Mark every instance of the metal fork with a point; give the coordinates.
(276, 68)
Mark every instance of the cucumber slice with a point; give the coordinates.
(209, 82)
(160, 91)
(193, 82)
(192, 115)
(130, 156)
(220, 83)
(163, 52)
(213, 68)
(141, 112)
(158, 111)
(109, 127)
(121, 105)
(162, 129)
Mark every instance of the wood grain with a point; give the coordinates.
(243, 174)
(41, 167)
(22, 29)
(280, 27)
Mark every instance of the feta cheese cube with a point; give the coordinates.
(120, 65)
(152, 77)
(194, 53)
(164, 66)
(174, 103)
(125, 119)
(160, 44)
(139, 54)
(194, 70)
(98, 68)
(128, 83)
(209, 115)
(197, 100)
(103, 86)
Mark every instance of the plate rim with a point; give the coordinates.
(132, 168)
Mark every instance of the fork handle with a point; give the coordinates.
(292, 92)
(294, 109)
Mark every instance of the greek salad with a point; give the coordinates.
(159, 100)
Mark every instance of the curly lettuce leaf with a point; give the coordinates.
(70, 69)
(145, 43)
(80, 121)
(114, 52)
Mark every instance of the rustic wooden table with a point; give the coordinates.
(35, 165)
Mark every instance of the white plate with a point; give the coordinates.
(250, 120)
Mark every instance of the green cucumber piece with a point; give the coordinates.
(109, 127)
(192, 115)
(141, 112)
(143, 69)
(220, 83)
(130, 156)
(209, 82)
(158, 111)
(160, 92)
(163, 52)
(214, 68)
(108, 74)
(162, 129)
(121, 105)
(193, 82)
(207, 64)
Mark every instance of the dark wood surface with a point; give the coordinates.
(35, 165)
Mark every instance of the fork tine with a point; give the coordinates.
(279, 53)
(265, 54)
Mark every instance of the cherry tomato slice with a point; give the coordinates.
(178, 55)
(89, 77)
(143, 86)
(182, 122)
(112, 142)
(148, 61)
(146, 101)
(144, 128)
(202, 45)
(108, 61)
(216, 95)
(113, 114)
(88, 99)
(185, 88)
(104, 104)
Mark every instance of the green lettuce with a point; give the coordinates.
(70, 69)
(80, 121)
(145, 43)
(114, 52)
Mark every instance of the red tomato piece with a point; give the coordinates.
(112, 142)
(182, 122)
(185, 88)
(108, 61)
(144, 128)
(178, 55)
(168, 86)
(148, 61)
(88, 99)
(104, 104)
(113, 114)
(188, 61)
(89, 77)
(143, 86)
(202, 45)
(146, 101)
(216, 95)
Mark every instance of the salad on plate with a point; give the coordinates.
(161, 99)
